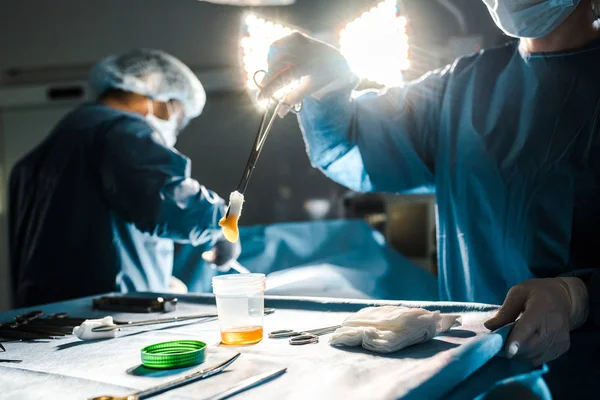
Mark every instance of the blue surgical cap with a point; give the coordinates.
(152, 73)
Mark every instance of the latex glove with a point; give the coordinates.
(550, 309)
(319, 67)
(222, 254)
(177, 286)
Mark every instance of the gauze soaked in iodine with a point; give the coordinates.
(229, 223)
(389, 328)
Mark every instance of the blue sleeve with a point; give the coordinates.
(150, 186)
(380, 141)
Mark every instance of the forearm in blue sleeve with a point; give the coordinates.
(150, 186)
(380, 141)
(189, 213)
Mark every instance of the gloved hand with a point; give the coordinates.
(177, 286)
(550, 309)
(320, 67)
(222, 254)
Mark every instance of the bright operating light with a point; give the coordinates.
(255, 46)
(376, 45)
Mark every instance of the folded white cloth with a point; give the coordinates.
(84, 331)
(389, 328)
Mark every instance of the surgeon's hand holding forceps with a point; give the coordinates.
(303, 337)
(263, 132)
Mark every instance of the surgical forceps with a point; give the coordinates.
(303, 337)
(118, 326)
(261, 136)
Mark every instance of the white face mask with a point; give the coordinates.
(530, 18)
(167, 129)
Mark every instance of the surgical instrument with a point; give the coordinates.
(261, 136)
(32, 326)
(247, 384)
(237, 267)
(10, 361)
(135, 304)
(2, 347)
(259, 141)
(303, 337)
(162, 321)
(35, 318)
(202, 374)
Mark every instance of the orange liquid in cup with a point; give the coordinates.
(241, 336)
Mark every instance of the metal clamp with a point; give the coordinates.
(296, 108)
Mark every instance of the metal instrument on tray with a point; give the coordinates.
(303, 337)
(161, 321)
(156, 390)
(247, 384)
(36, 325)
(130, 304)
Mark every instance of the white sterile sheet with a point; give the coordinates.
(72, 369)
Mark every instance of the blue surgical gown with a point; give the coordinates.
(510, 143)
(97, 207)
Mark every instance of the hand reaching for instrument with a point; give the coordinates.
(549, 309)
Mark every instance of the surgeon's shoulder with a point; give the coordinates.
(131, 126)
(488, 60)
(95, 118)
(130, 134)
(126, 130)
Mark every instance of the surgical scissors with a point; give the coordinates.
(303, 337)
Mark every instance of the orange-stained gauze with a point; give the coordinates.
(241, 336)
(229, 224)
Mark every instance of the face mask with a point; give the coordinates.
(167, 129)
(530, 18)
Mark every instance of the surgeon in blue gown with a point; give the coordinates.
(98, 205)
(509, 141)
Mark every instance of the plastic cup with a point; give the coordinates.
(241, 307)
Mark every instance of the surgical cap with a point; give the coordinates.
(152, 73)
